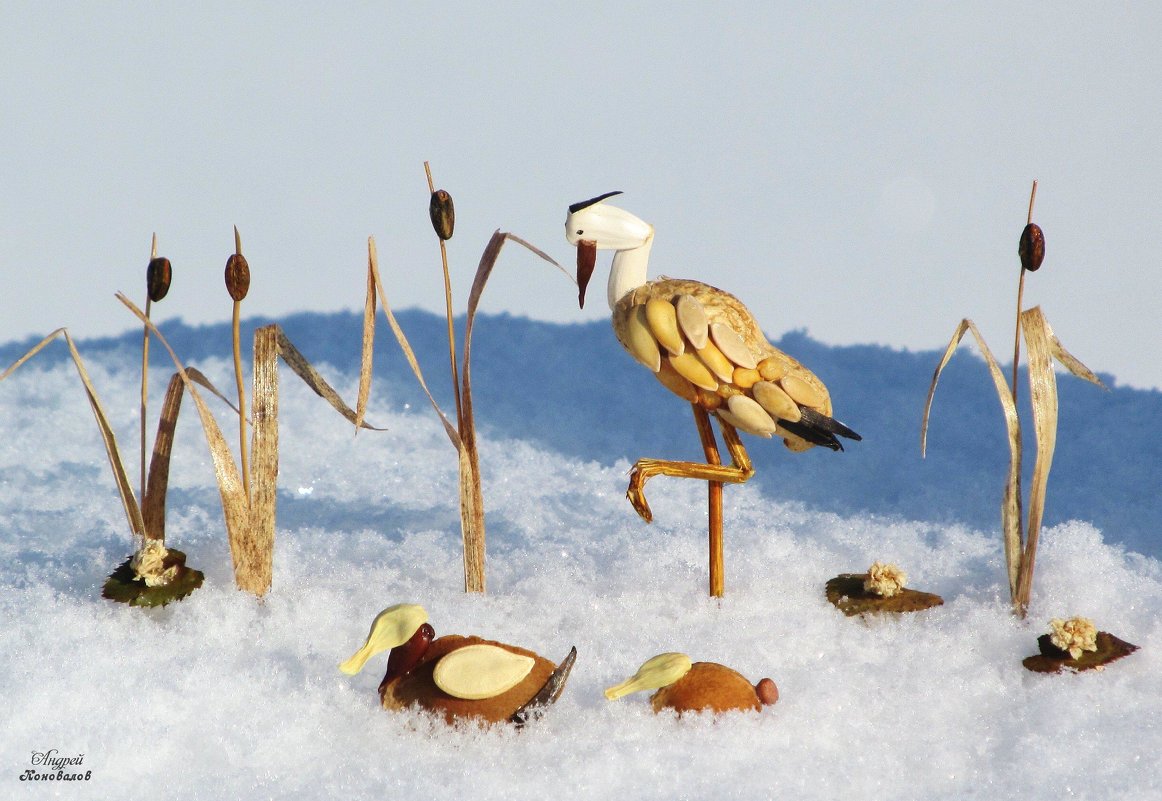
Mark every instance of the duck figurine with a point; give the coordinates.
(686, 686)
(460, 678)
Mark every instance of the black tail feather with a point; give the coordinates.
(819, 429)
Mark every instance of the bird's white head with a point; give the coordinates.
(594, 224)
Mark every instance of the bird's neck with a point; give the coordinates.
(629, 270)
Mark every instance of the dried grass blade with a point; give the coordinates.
(483, 271)
(472, 519)
(365, 353)
(1043, 397)
(124, 488)
(153, 504)
(234, 506)
(1067, 359)
(200, 379)
(310, 376)
(253, 572)
(405, 346)
(471, 490)
(1011, 502)
(37, 348)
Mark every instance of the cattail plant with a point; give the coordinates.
(462, 434)
(154, 575)
(1021, 536)
(248, 494)
(238, 285)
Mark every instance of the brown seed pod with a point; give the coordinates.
(237, 276)
(157, 278)
(443, 214)
(1032, 247)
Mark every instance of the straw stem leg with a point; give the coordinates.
(714, 499)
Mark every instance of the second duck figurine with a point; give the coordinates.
(686, 686)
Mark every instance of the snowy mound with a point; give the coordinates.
(220, 696)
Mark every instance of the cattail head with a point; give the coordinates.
(443, 214)
(237, 276)
(1032, 247)
(157, 278)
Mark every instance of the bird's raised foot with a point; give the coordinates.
(637, 494)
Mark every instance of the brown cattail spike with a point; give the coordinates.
(1032, 247)
(237, 276)
(157, 278)
(443, 214)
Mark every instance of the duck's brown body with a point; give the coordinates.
(708, 686)
(709, 374)
(418, 687)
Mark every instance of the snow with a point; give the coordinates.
(221, 696)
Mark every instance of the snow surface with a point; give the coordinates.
(221, 696)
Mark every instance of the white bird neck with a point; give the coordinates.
(629, 270)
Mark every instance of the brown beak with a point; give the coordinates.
(586, 259)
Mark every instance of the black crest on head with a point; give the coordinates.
(584, 204)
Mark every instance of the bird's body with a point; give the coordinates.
(685, 686)
(708, 687)
(711, 350)
(458, 678)
(705, 346)
(418, 686)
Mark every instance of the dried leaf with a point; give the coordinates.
(846, 593)
(1011, 502)
(365, 353)
(1067, 359)
(1043, 398)
(123, 585)
(405, 346)
(200, 379)
(153, 504)
(293, 359)
(1054, 660)
(471, 492)
(1042, 347)
(124, 488)
(254, 561)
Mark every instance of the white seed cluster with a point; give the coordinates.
(148, 565)
(884, 579)
(1076, 635)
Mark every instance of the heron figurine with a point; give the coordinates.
(703, 345)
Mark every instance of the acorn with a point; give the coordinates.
(1032, 247)
(157, 278)
(443, 214)
(237, 276)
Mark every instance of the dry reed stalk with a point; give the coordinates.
(250, 517)
(463, 434)
(238, 285)
(1021, 536)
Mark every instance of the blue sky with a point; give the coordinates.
(861, 172)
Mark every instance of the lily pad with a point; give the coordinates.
(1054, 660)
(124, 587)
(846, 592)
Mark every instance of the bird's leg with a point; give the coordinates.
(717, 569)
(737, 472)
